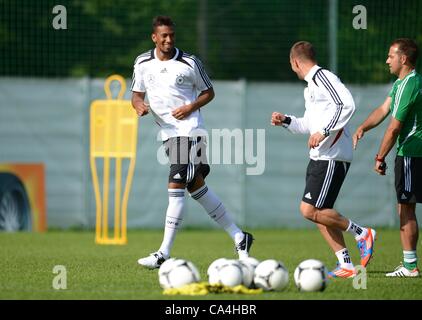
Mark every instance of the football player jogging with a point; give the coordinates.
(177, 86)
(328, 109)
(404, 102)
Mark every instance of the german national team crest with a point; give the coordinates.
(180, 79)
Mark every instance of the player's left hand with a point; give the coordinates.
(182, 112)
(315, 139)
(380, 167)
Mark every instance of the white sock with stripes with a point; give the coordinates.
(344, 259)
(174, 217)
(216, 210)
(356, 230)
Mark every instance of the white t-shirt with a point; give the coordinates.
(169, 85)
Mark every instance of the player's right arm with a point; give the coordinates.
(138, 103)
(138, 86)
(373, 120)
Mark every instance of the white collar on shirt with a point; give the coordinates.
(311, 73)
(176, 54)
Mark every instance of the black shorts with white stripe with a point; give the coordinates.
(188, 159)
(408, 179)
(324, 179)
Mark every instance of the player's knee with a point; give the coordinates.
(308, 211)
(174, 185)
(196, 183)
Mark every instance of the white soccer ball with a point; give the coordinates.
(248, 271)
(213, 268)
(271, 275)
(311, 275)
(174, 273)
(225, 271)
(252, 261)
(166, 265)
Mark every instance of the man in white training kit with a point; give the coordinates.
(328, 109)
(171, 79)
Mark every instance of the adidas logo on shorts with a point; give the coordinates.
(308, 196)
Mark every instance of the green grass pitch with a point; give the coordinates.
(111, 272)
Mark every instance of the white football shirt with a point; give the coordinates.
(169, 85)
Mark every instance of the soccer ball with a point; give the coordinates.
(174, 273)
(271, 275)
(166, 265)
(311, 275)
(253, 263)
(225, 271)
(164, 271)
(214, 270)
(248, 271)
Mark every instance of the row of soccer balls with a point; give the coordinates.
(270, 275)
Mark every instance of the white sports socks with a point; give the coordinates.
(216, 210)
(174, 217)
(357, 231)
(344, 259)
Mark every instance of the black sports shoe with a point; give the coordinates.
(243, 247)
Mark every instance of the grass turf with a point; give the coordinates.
(111, 272)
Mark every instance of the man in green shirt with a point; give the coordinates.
(405, 104)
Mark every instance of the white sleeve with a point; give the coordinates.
(202, 81)
(137, 81)
(341, 101)
(298, 125)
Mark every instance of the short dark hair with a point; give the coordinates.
(162, 21)
(303, 50)
(409, 48)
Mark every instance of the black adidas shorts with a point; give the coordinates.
(187, 156)
(408, 179)
(324, 179)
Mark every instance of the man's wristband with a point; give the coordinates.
(379, 159)
(287, 120)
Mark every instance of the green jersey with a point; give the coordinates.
(406, 106)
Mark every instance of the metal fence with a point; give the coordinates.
(239, 39)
